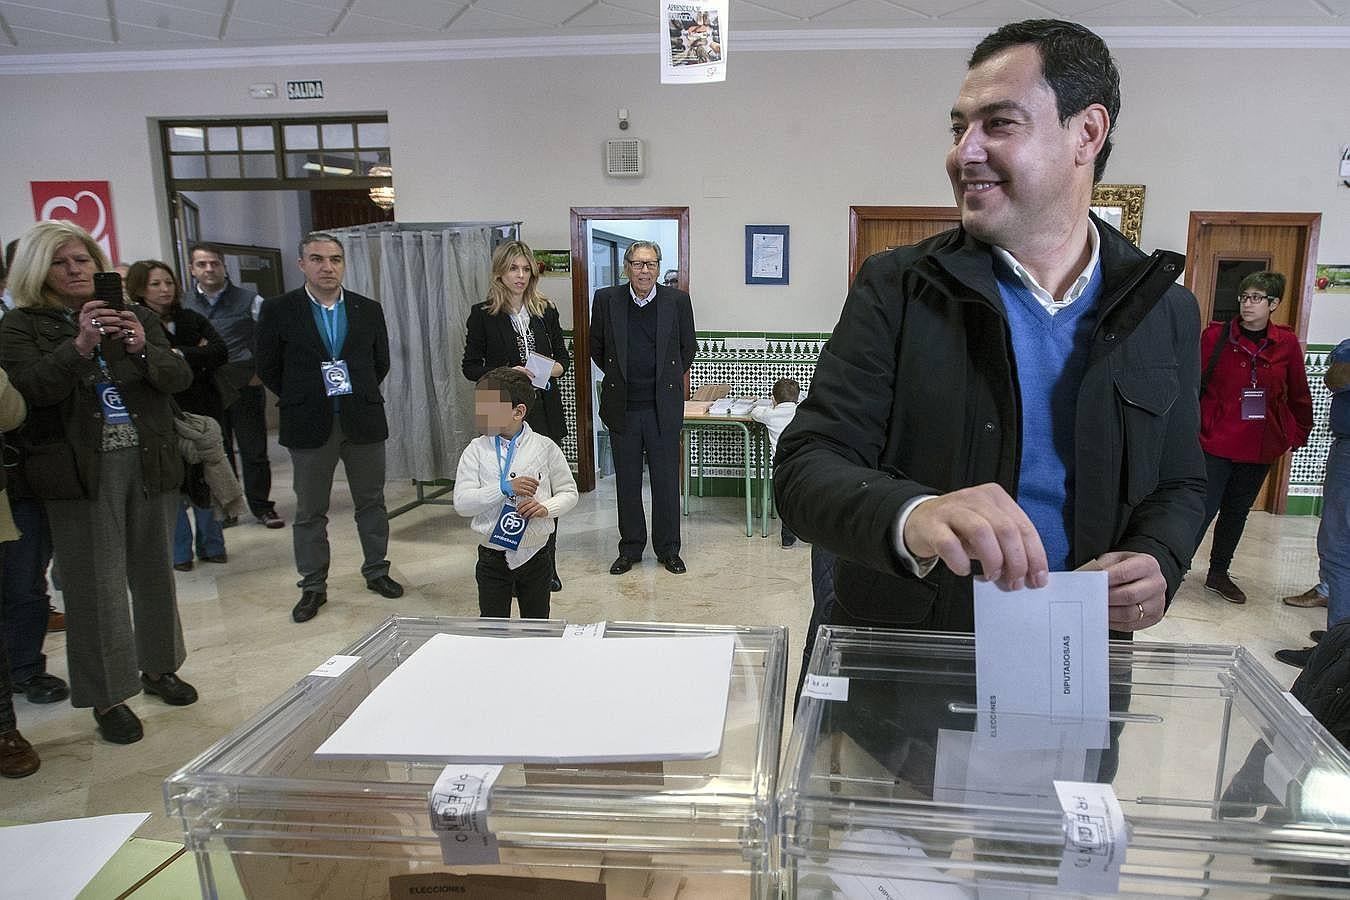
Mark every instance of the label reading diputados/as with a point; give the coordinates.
(1094, 837)
(458, 804)
(826, 687)
(588, 630)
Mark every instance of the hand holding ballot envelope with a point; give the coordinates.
(1137, 596)
(979, 524)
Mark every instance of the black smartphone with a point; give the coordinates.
(108, 289)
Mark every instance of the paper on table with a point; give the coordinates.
(462, 698)
(1040, 659)
(541, 368)
(57, 859)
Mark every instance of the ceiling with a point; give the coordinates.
(47, 27)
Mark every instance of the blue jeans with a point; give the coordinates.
(1333, 536)
(24, 584)
(210, 538)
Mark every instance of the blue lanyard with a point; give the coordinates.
(504, 465)
(330, 326)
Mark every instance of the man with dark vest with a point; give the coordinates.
(233, 312)
(324, 352)
(642, 338)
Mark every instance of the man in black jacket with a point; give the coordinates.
(642, 338)
(324, 351)
(1017, 394)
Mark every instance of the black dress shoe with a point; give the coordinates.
(1317, 635)
(42, 688)
(221, 558)
(183, 566)
(119, 725)
(271, 519)
(1296, 658)
(621, 565)
(674, 565)
(229, 521)
(555, 584)
(385, 587)
(309, 604)
(170, 688)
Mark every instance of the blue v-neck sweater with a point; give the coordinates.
(1051, 354)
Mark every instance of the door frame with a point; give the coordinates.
(1299, 290)
(857, 215)
(581, 312)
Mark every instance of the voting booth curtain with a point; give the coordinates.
(427, 277)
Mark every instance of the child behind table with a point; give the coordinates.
(775, 419)
(513, 483)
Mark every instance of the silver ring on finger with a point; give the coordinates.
(1141, 611)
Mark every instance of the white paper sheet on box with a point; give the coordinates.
(460, 698)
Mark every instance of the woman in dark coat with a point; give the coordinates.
(515, 322)
(151, 282)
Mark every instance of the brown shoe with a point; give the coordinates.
(18, 759)
(56, 620)
(1219, 583)
(1306, 600)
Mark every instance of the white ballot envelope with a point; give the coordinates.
(540, 368)
(1040, 663)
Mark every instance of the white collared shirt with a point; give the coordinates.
(641, 301)
(1044, 297)
(342, 295)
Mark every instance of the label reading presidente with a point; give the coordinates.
(304, 90)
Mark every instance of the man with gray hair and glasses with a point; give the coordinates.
(642, 338)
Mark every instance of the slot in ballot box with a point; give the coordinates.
(1206, 781)
(266, 818)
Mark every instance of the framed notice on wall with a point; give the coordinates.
(88, 204)
(766, 254)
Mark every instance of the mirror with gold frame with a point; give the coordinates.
(1122, 207)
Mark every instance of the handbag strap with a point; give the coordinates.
(1213, 361)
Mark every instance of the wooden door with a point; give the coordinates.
(872, 229)
(1222, 248)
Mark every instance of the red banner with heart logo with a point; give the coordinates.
(88, 204)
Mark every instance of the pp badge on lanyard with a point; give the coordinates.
(110, 399)
(336, 379)
(510, 527)
(1253, 404)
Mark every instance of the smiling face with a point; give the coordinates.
(641, 268)
(71, 275)
(1018, 174)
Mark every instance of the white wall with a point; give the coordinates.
(791, 138)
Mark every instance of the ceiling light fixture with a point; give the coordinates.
(382, 195)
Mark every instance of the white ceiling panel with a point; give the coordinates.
(286, 16)
(604, 15)
(30, 39)
(207, 6)
(866, 12)
(94, 9)
(243, 32)
(182, 24)
(548, 12)
(53, 22)
(359, 26)
(418, 14)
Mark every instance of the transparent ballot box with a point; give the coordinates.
(266, 818)
(1206, 780)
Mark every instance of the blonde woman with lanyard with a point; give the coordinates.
(100, 450)
(515, 323)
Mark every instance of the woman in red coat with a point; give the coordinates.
(1254, 407)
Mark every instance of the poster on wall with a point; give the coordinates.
(693, 41)
(1333, 279)
(88, 204)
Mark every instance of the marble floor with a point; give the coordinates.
(243, 648)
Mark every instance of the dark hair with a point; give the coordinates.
(786, 390)
(1075, 62)
(10, 249)
(509, 383)
(1270, 283)
(206, 248)
(138, 275)
(318, 237)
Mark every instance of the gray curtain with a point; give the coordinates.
(427, 277)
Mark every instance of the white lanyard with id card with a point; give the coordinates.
(510, 528)
(1253, 400)
(109, 395)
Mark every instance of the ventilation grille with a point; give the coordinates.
(623, 159)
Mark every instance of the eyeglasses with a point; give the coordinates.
(645, 263)
(1252, 299)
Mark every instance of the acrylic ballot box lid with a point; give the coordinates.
(1227, 787)
(266, 818)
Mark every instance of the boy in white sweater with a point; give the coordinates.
(786, 392)
(513, 483)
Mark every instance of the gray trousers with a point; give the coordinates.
(312, 477)
(118, 540)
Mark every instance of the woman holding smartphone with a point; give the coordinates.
(99, 449)
(515, 323)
